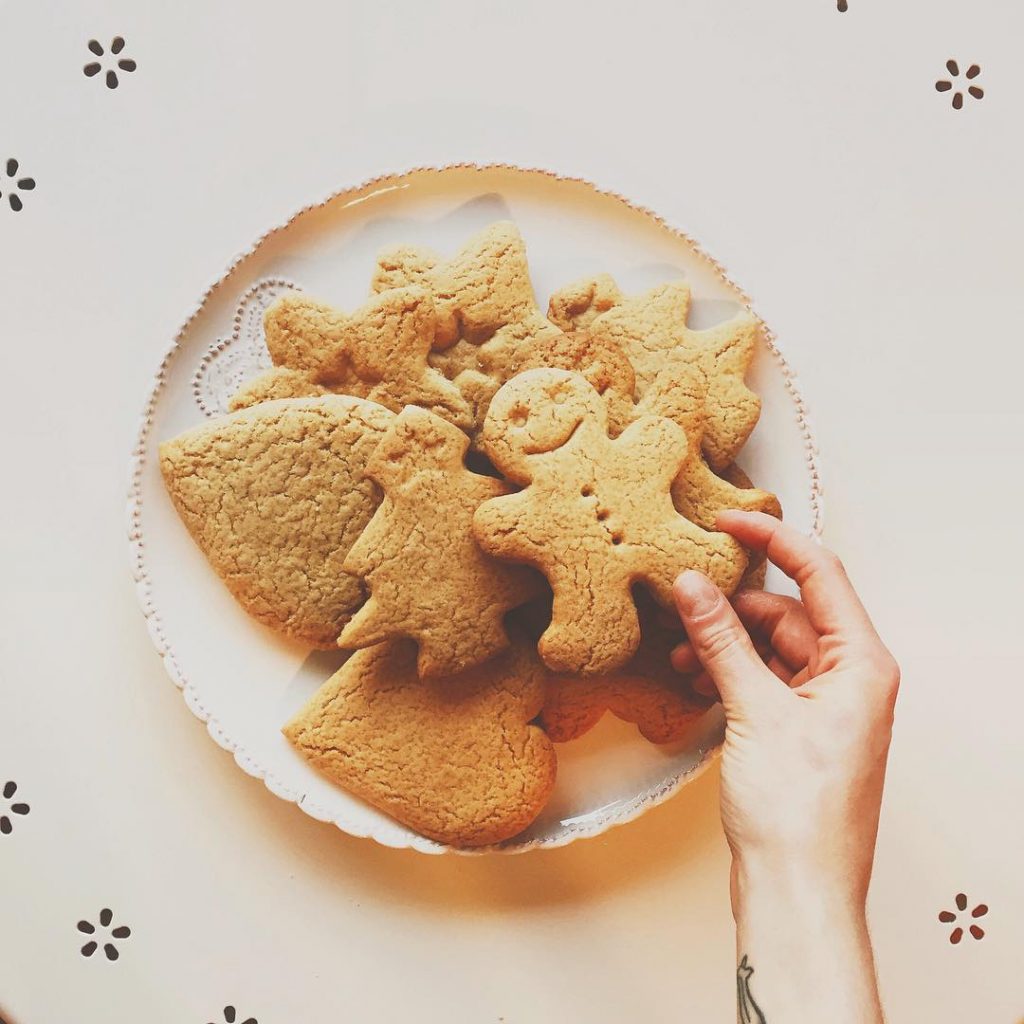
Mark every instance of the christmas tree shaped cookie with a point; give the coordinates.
(428, 578)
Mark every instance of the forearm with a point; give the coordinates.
(803, 950)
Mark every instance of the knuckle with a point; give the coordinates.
(718, 638)
(888, 671)
(832, 562)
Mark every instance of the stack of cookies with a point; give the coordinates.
(487, 505)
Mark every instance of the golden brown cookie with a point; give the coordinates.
(275, 496)
(483, 287)
(577, 305)
(428, 579)
(679, 390)
(744, 495)
(454, 758)
(595, 515)
(379, 352)
(489, 325)
(651, 327)
(279, 382)
(599, 359)
(647, 692)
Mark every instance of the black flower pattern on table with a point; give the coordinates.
(953, 84)
(949, 917)
(104, 931)
(231, 1017)
(11, 184)
(9, 808)
(113, 61)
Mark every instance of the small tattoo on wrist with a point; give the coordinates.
(747, 1011)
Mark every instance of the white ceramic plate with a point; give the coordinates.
(244, 681)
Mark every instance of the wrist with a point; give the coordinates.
(804, 930)
(798, 886)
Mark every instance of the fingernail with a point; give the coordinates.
(695, 593)
(704, 686)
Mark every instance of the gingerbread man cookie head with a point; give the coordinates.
(418, 441)
(539, 412)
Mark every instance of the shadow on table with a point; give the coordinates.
(684, 829)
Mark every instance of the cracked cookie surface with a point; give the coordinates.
(595, 515)
(454, 758)
(489, 325)
(428, 578)
(275, 496)
(652, 327)
(378, 352)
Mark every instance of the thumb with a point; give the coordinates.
(721, 643)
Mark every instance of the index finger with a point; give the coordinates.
(833, 607)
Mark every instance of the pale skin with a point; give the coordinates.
(808, 690)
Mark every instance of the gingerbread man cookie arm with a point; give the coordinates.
(658, 447)
(501, 528)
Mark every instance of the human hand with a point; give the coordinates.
(808, 724)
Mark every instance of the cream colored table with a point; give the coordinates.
(878, 229)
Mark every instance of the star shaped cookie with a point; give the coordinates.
(595, 515)
(652, 328)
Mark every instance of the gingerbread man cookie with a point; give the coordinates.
(454, 758)
(595, 515)
(652, 327)
(379, 352)
(428, 578)
(275, 496)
